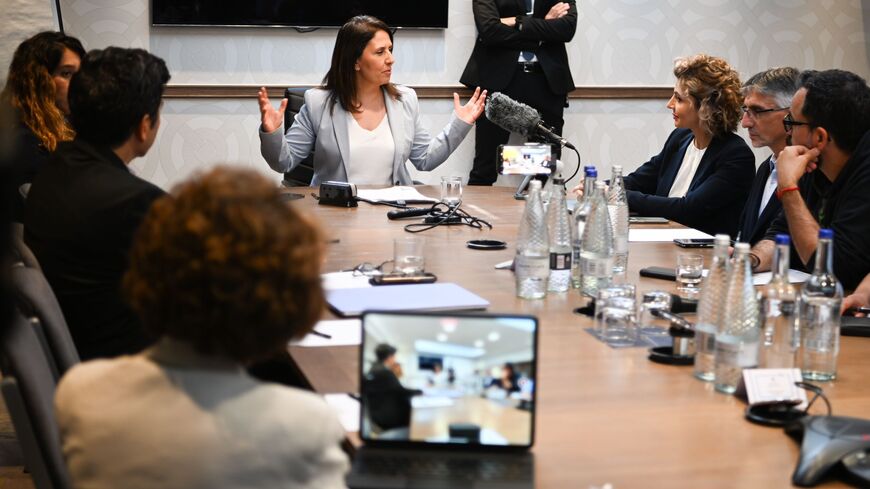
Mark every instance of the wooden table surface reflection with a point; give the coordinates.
(604, 415)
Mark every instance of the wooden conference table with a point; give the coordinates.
(604, 415)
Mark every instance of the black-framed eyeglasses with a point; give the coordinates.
(754, 113)
(788, 122)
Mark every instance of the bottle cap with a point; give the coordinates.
(783, 239)
(599, 184)
(826, 233)
(617, 168)
(741, 247)
(722, 239)
(591, 172)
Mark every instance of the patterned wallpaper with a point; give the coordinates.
(618, 42)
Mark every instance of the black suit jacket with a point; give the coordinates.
(718, 190)
(80, 217)
(498, 46)
(752, 225)
(388, 401)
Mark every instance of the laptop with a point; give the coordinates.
(447, 400)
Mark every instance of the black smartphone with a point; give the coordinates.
(694, 243)
(663, 273)
(390, 279)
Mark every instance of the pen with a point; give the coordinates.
(322, 335)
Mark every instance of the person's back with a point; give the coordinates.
(173, 418)
(85, 206)
(80, 217)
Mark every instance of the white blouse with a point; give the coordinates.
(371, 153)
(687, 170)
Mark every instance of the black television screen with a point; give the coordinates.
(298, 13)
(428, 363)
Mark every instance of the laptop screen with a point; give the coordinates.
(448, 379)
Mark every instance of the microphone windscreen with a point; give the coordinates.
(511, 115)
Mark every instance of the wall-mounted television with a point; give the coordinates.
(402, 14)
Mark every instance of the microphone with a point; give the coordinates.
(412, 212)
(518, 117)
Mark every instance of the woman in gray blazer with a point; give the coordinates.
(361, 127)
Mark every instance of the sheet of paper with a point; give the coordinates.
(341, 332)
(393, 194)
(794, 276)
(347, 409)
(344, 280)
(664, 235)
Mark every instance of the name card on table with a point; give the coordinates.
(772, 385)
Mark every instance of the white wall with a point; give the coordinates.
(618, 42)
(22, 19)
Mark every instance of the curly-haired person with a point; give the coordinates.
(35, 93)
(703, 175)
(224, 273)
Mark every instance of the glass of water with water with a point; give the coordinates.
(690, 268)
(451, 190)
(408, 255)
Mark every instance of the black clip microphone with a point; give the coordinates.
(412, 212)
(518, 117)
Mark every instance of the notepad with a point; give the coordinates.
(412, 297)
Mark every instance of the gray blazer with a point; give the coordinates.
(326, 131)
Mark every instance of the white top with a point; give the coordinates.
(687, 170)
(769, 187)
(173, 418)
(371, 153)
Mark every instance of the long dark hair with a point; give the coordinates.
(350, 43)
(30, 89)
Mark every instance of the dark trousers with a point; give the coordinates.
(531, 89)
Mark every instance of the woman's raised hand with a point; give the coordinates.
(469, 112)
(270, 118)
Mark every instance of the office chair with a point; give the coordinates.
(302, 175)
(35, 298)
(28, 389)
(20, 250)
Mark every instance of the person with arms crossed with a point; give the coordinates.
(224, 273)
(85, 205)
(361, 127)
(520, 51)
(766, 98)
(822, 180)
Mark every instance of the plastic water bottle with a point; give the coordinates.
(559, 224)
(596, 248)
(532, 261)
(821, 298)
(580, 213)
(711, 308)
(617, 206)
(779, 310)
(737, 338)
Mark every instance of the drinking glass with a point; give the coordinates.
(654, 300)
(690, 268)
(408, 256)
(619, 321)
(451, 190)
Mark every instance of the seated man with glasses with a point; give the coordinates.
(767, 97)
(822, 180)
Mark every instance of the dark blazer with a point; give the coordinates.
(718, 190)
(498, 46)
(28, 158)
(388, 401)
(752, 225)
(79, 220)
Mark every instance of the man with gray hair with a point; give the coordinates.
(767, 98)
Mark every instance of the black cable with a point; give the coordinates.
(397, 205)
(577, 169)
(445, 218)
(59, 17)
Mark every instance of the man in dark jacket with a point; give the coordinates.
(520, 51)
(767, 98)
(822, 180)
(85, 206)
(389, 403)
